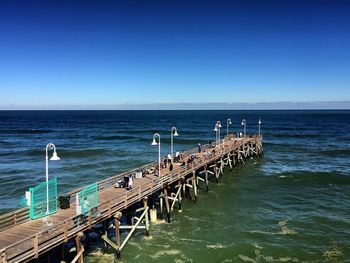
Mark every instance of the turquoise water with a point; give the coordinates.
(251, 217)
(292, 205)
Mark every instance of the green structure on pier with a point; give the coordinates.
(40, 205)
(88, 198)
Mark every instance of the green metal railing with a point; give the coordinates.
(38, 199)
(88, 198)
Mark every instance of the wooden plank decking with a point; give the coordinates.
(27, 239)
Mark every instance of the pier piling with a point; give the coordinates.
(166, 201)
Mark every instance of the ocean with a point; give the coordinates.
(291, 205)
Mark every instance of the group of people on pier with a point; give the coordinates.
(179, 159)
(167, 160)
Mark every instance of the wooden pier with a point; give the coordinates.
(23, 240)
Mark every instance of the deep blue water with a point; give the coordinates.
(292, 205)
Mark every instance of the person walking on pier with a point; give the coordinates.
(131, 183)
(177, 156)
(199, 148)
(169, 158)
(165, 162)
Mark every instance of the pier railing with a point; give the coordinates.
(19, 216)
(14, 218)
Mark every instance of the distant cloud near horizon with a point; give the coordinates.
(319, 105)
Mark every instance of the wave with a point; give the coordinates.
(83, 153)
(136, 132)
(296, 135)
(262, 258)
(316, 177)
(283, 144)
(246, 259)
(193, 142)
(68, 153)
(2, 142)
(168, 252)
(336, 153)
(26, 131)
(114, 137)
(334, 252)
(218, 246)
(97, 255)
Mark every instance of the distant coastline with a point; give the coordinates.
(317, 105)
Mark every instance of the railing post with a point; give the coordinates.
(36, 246)
(145, 205)
(65, 231)
(3, 256)
(90, 218)
(166, 186)
(15, 218)
(117, 218)
(109, 209)
(126, 199)
(79, 246)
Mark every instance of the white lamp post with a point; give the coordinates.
(228, 123)
(53, 158)
(173, 132)
(259, 122)
(219, 125)
(155, 143)
(217, 130)
(244, 124)
(216, 134)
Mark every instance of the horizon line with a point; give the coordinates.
(283, 105)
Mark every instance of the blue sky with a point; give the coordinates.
(68, 54)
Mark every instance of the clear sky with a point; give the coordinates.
(82, 53)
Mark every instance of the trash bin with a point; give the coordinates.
(138, 174)
(64, 201)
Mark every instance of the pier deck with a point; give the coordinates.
(23, 240)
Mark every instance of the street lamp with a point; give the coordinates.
(217, 130)
(259, 122)
(155, 143)
(228, 123)
(173, 132)
(244, 123)
(216, 134)
(54, 157)
(219, 126)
